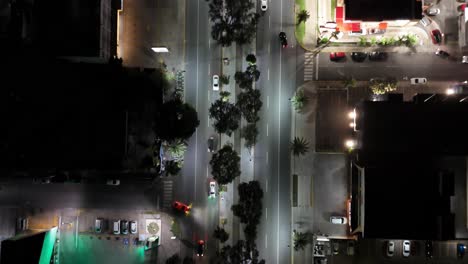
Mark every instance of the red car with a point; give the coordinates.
(337, 56)
(436, 36)
(181, 207)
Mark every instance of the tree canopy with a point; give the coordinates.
(250, 133)
(299, 146)
(249, 104)
(176, 120)
(249, 208)
(226, 116)
(225, 165)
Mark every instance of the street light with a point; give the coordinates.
(350, 144)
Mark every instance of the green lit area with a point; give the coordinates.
(48, 246)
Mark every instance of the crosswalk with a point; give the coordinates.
(167, 194)
(309, 65)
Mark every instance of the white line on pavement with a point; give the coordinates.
(209, 42)
(266, 187)
(266, 240)
(268, 74)
(316, 67)
(207, 172)
(267, 129)
(269, 21)
(266, 213)
(196, 107)
(267, 157)
(209, 69)
(279, 147)
(208, 122)
(268, 101)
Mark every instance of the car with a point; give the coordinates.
(459, 88)
(432, 11)
(215, 82)
(436, 36)
(283, 39)
(338, 220)
(133, 227)
(200, 248)
(406, 248)
(98, 225)
(337, 56)
(429, 249)
(264, 5)
(336, 248)
(211, 144)
(181, 207)
(113, 182)
(378, 56)
(461, 250)
(212, 193)
(358, 56)
(21, 223)
(116, 227)
(42, 180)
(425, 21)
(418, 80)
(442, 54)
(465, 59)
(390, 248)
(350, 249)
(124, 227)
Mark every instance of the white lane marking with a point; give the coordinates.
(316, 67)
(268, 101)
(266, 240)
(266, 187)
(207, 172)
(196, 106)
(209, 69)
(269, 21)
(267, 129)
(266, 213)
(208, 122)
(267, 157)
(268, 74)
(279, 146)
(209, 42)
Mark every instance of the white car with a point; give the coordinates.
(215, 83)
(212, 189)
(264, 5)
(390, 248)
(465, 59)
(406, 248)
(133, 227)
(433, 11)
(418, 80)
(114, 182)
(338, 220)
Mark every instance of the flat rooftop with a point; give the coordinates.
(377, 10)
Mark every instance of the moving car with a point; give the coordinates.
(98, 225)
(264, 5)
(459, 88)
(406, 248)
(442, 54)
(116, 227)
(465, 59)
(124, 227)
(429, 249)
(283, 39)
(436, 36)
(418, 80)
(460, 250)
(212, 189)
(337, 56)
(215, 82)
(181, 207)
(390, 248)
(338, 220)
(133, 227)
(113, 182)
(200, 248)
(358, 56)
(433, 11)
(211, 144)
(378, 56)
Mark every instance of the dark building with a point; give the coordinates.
(33, 247)
(375, 10)
(408, 168)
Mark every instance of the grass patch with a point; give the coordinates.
(300, 29)
(333, 8)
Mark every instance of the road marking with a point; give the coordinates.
(279, 145)
(268, 101)
(267, 129)
(266, 240)
(208, 122)
(316, 67)
(269, 21)
(207, 172)
(268, 74)
(266, 213)
(266, 187)
(267, 157)
(196, 106)
(209, 42)
(209, 69)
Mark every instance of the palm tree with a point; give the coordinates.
(302, 16)
(300, 240)
(299, 146)
(299, 100)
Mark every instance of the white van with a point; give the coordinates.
(338, 220)
(116, 227)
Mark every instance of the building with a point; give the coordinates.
(409, 170)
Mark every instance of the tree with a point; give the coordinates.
(174, 259)
(302, 16)
(246, 79)
(226, 116)
(177, 149)
(300, 240)
(299, 100)
(349, 82)
(249, 103)
(173, 167)
(221, 234)
(176, 120)
(224, 79)
(249, 133)
(299, 146)
(243, 252)
(383, 86)
(249, 208)
(251, 59)
(225, 165)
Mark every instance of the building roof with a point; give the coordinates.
(376, 10)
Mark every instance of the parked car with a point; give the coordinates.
(350, 249)
(358, 56)
(461, 250)
(116, 227)
(212, 193)
(337, 56)
(338, 220)
(429, 249)
(113, 182)
(390, 248)
(283, 39)
(124, 227)
(264, 5)
(378, 56)
(98, 225)
(215, 82)
(406, 248)
(433, 11)
(436, 36)
(418, 80)
(465, 59)
(181, 207)
(425, 21)
(442, 54)
(200, 248)
(211, 144)
(133, 227)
